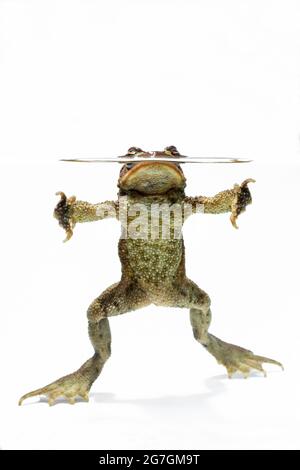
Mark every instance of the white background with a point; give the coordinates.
(92, 78)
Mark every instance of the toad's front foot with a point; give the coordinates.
(241, 200)
(237, 359)
(63, 213)
(70, 386)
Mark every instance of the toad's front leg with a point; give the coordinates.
(233, 200)
(69, 212)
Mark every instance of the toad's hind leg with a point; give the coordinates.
(117, 299)
(234, 358)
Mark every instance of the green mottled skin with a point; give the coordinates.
(153, 270)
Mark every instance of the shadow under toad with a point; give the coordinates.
(215, 385)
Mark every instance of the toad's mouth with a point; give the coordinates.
(152, 178)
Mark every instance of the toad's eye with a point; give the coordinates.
(134, 150)
(172, 150)
(129, 165)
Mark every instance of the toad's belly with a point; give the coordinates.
(154, 261)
